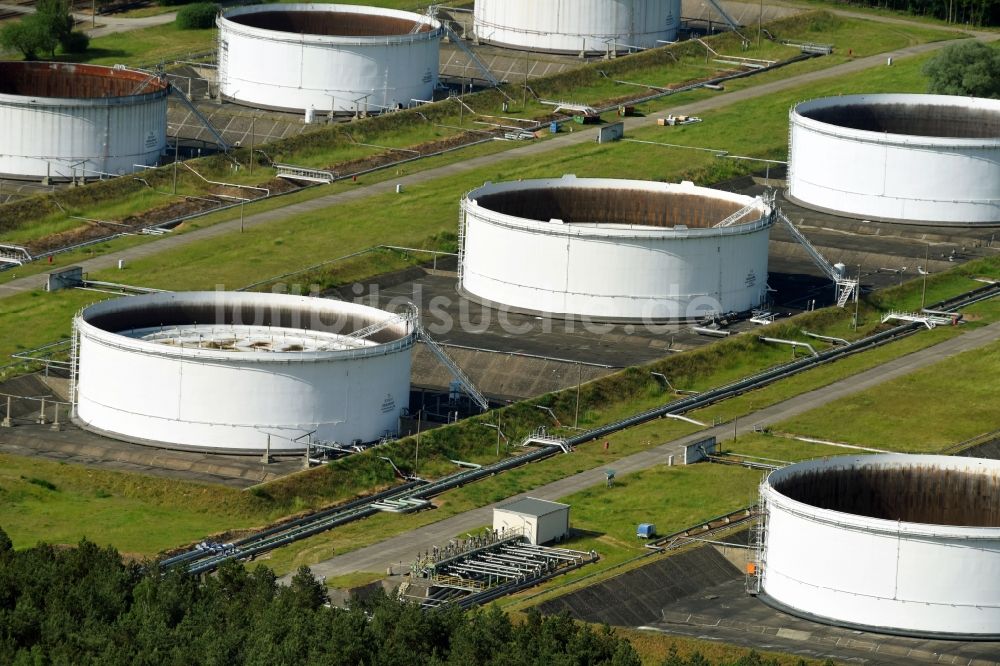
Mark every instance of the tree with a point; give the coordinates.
(27, 36)
(198, 16)
(41, 32)
(969, 68)
(55, 18)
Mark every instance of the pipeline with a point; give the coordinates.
(202, 561)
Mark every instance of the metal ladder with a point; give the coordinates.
(74, 362)
(758, 533)
(457, 372)
(461, 241)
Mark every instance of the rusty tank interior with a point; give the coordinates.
(928, 120)
(74, 81)
(612, 206)
(913, 494)
(331, 24)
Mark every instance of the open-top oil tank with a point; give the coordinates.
(614, 250)
(932, 159)
(318, 57)
(241, 371)
(895, 543)
(65, 121)
(577, 26)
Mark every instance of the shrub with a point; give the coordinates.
(198, 16)
(75, 42)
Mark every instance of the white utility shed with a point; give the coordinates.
(541, 520)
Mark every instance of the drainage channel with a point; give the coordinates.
(207, 557)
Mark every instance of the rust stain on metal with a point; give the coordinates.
(331, 24)
(918, 494)
(927, 120)
(611, 206)
(73, 81)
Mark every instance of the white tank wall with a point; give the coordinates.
(285, 70)
(66, 138)
(894, 176)
(225, 400)
(577, 25)
(898, 577)
(613, 272)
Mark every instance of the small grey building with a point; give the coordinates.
(541, 520)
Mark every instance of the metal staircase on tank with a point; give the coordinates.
(183, 99)
(409, 315)
(845, 287)
(463, 379)
(460, 43)
(730, 21)
(738, 215)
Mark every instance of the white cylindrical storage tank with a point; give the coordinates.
(230, 372)
(898, 157)
(64, 121)
(577, 26)
(341, 57)
(614, 250)
(894, 543)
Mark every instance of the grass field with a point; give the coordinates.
(423, 212)
(923, 412)
(347, 477)
(328, 146)
(140, 515)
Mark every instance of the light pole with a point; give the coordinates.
(176, 147)
(857, 298)
(252, 119)
(579, 380)
(923, 291)
(498, 435)
(496, 426)
(416, 451)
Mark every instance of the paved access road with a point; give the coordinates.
(524, 153)
(106, 25)
(404, 547)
